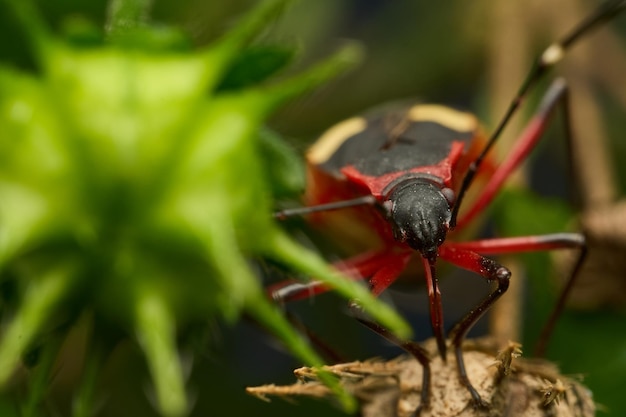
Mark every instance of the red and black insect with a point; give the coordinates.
(399, 176)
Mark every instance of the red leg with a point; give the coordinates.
(491, 271)
(465, 255)
(532, 244)
(553, 54)
(389, 272)
(556, 95)
(382, 267)
(468, 255)
(522, 243)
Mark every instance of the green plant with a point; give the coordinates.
(134, 187)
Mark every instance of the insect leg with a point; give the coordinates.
(557, 95)
(413, 348)
(358, 267)
(491, 271)
(536, 243)
(384, 277)
(543, 63)
(381, 266)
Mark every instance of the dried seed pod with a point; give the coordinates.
(529, 388)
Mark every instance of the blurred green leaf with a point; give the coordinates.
(285, 169)
(256, 64)
(131, 187)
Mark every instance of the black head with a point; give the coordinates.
(420, 212)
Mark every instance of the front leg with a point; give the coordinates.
(413, 348)
(491, 271)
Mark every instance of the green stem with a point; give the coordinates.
(275, 321)
(343, 60)
(240, 284)
(34, 27)
(97, 349)
(221, 54)
(267, 99)
(40, 379)
(155, 328)
(40, 300)
(284, 249)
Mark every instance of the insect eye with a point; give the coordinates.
(448, 193)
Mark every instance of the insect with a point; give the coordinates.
(400, 175)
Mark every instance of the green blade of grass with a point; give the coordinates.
(42, 296)
(283, 249)
(156, 333)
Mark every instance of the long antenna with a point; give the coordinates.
(550, 56)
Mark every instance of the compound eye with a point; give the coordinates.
(449, 195)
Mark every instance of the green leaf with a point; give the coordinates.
(254, 65)
(285, 169)
(43, 296)
(121, 157)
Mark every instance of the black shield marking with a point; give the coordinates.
(396, 144)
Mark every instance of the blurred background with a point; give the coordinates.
(471, 55)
